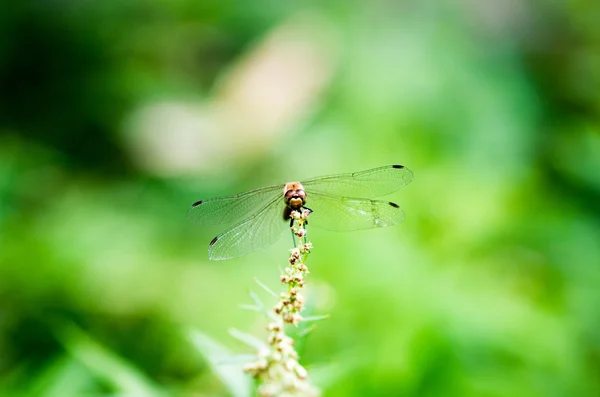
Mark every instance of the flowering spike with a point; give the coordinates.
(277, 368)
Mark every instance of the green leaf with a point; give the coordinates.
(315, 318)
(238, 359)
(65, 376)
(248, 339)
(238, 384)
(105, 364)
(265, 287)
(256, 300)
(306, 331)
(258, 306)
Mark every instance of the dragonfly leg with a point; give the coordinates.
(305, 223)
(309, 211)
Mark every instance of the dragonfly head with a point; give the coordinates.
(294, 195)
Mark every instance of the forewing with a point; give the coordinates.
(345, 213)
(228, 209)
(257, 231)
(376, 182)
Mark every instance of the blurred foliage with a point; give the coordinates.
(115, 116)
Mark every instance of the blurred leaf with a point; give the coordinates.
(238, 383)
(259, 305)
(64, 377)
(265, 287)
(103, 363)
(238, 358)
(248, 339)
(256, 300)
(305, 331)
(316, 318)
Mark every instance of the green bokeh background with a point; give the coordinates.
(116, 116)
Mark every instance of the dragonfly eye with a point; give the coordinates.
(295, 197)
(289, 194)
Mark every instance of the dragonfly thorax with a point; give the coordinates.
(294, 195)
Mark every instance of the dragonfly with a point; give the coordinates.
(341, 202)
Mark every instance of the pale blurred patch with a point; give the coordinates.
(502, 18)
(259, 101)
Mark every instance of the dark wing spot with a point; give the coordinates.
(214, 240)
(397, 166)
(394, 205)
(197, 203)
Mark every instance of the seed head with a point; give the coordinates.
(277, 370)
(273, 327)
(300, 371)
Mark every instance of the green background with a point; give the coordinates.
(116, 115)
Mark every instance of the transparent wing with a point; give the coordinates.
(258, 231)
(228, 209)
(371, 183)
(345, 213)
